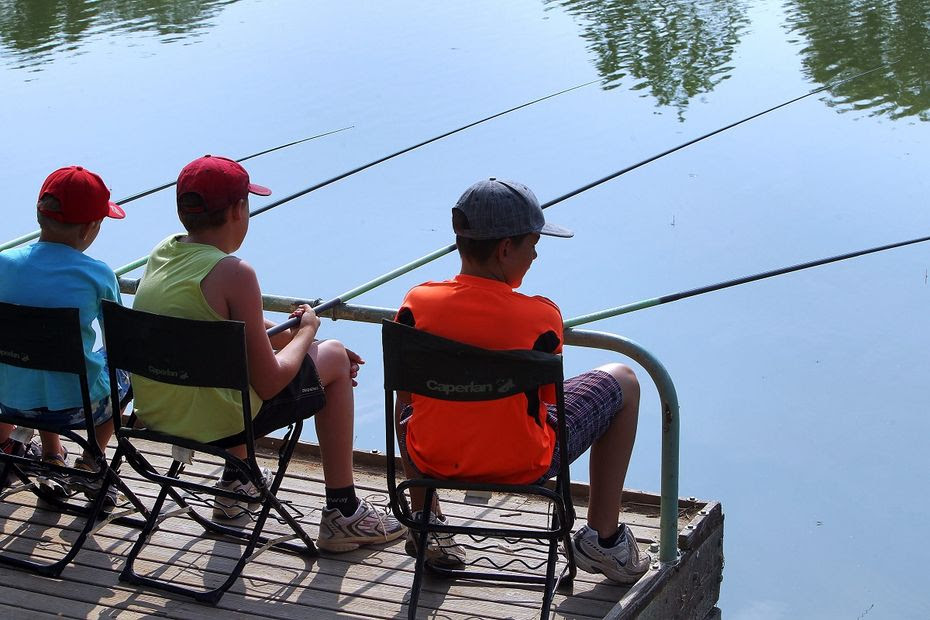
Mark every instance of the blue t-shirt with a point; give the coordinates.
(54, 275)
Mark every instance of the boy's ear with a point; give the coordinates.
(88, 228)
(504, 246)
(238, 210)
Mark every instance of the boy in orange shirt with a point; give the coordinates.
(498, 224)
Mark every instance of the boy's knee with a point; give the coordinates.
(333, 351)
(332, 361)
(625, 376)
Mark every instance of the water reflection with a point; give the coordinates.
(34, 32)
(675, 49)
(845, 37)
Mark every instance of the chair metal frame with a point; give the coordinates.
(411, 359)
(199, 354)
(50, 339)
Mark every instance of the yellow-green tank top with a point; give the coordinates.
(171, 286)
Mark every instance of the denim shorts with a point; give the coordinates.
(74, 417)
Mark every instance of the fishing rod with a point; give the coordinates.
(246, 158)
(141, 261)
(387, 277)
(34, 235)
(312, 188)
(665, 299)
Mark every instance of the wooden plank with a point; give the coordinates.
(371, 582)
(341, 578)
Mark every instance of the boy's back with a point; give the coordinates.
(54, 272)
(505, 440)
(53, 275)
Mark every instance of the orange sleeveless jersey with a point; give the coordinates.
(495, 441)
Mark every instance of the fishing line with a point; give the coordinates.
(665, 299)
(141, 261)
(33, 235)
(450, 248)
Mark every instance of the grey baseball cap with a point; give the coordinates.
(497, 209)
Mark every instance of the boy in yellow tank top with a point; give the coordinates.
(194, 275)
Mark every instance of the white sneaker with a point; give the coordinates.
(368, 525)
(623, 563)
(228, 508)
(441, 549)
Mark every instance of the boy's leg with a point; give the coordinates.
(347, 522)
(102, 432)
(51, 444)
(602, 409)
(610, 455)
(335, 422)
(417, 494)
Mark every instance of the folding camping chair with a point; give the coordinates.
(415, 361)
(50, 339)
(198, 354)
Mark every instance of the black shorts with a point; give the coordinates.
(299, 400)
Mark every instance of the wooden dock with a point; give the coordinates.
(370, 582)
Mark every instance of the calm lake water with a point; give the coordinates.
(804, 397)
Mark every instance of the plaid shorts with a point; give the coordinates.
(592, 400)
(74, 417)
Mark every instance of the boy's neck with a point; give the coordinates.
(488, 270)
(219, 238)
(72, 241)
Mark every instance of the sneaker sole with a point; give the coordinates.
(341, 545)
(439, 560)
(233, 511)
(626, 579)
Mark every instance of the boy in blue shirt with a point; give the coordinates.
(54, 272)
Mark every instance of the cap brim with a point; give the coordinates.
(116, 211)
(259, 190)
(556, 231)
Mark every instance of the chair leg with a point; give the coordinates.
(421, 556)
(128, 573)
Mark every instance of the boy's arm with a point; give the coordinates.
(269, 372)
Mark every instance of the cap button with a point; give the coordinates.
(78, 167)
(492, 179)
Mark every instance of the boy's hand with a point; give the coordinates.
(308, 319)
(355, 360)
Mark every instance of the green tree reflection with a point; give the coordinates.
(32, 30)
(675, 49)
(846, 37)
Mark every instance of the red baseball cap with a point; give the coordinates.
(82, 197)
(219, 181)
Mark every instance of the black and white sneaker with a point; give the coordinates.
(623, 563)
(369, 525)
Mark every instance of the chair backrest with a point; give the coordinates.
(175, 350)
(422, 363)
(44, 339)
(179, 351)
